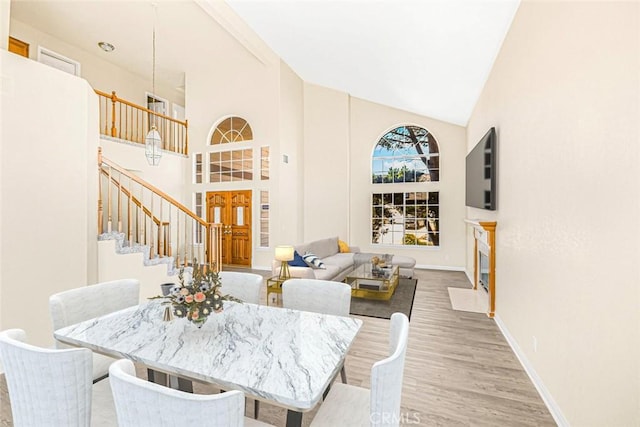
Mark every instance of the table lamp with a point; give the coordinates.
(284, 254)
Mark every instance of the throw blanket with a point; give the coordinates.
(362, 258)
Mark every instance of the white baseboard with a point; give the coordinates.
(470, 277)
(548, 400)
(259, 267)
(438, 267)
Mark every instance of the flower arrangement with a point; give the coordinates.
(199, 296)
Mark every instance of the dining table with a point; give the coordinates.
(281, 356)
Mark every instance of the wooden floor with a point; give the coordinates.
(459, 370)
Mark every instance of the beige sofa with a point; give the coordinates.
(337, 265)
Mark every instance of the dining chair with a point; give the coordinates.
(144, 404)
(245, 286)
(53, 387)
(349, 405)
(87, 302)
(318, 296)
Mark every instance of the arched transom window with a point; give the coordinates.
(232, 129)
(406, 154)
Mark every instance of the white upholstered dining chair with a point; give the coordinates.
(245, 286)
(318, 296)
(349, 405)
(143, 404)
(51, 387)
(87, 302)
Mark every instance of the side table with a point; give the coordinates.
(274, 286)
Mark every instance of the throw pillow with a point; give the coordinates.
(297, 260)
(313, 261)
(343, 247)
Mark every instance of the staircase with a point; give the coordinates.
(158, 234)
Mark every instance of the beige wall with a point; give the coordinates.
(5, 17)
(326, 164)
(116, 266)
(48, 202)
(340, 135)
(100, 73)
(244, 87)
(369, 121)
(564, 96)
(288, 205)
(168, 176)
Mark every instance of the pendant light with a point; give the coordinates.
(153, 142)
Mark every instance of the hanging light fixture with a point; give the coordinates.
(153, 142)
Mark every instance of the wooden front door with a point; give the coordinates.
(232, 209)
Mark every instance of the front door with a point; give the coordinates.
(232, 209)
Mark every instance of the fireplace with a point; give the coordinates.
(484, 259)
(483, 271)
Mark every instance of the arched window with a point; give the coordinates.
(232, 129)
(407, 213)
(406, 154)
(227, 163)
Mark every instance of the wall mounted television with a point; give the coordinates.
(480, 190)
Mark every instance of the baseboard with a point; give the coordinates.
(259, 267)
(438, 267)
(548, 400)
(470, 277)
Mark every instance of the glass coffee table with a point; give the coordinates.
(373, 284)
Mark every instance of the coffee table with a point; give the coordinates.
(373, 284)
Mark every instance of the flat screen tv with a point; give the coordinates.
(481, 173)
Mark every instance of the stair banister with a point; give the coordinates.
(180, 219)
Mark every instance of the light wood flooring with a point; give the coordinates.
(459, 370)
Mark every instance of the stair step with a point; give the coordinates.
(123, 247)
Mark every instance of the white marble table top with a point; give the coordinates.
(286, 357)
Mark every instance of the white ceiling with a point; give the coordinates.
(429, 57)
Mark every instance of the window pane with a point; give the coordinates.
(405, 154)
(264, 163)
(232, 129)
(264, 219)
(197, 168)
(405, 219)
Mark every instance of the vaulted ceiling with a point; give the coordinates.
(430, 57)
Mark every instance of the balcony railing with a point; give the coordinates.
(125, 120)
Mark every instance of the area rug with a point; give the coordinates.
(401, 301)
(474, 301)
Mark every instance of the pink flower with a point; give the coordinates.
(184, 291)
(195, 315)
(188, 299)
(199, 297)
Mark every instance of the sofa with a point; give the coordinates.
(337, 264)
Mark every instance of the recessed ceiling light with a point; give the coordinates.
(107, 47)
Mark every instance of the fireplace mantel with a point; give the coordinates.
(484, 233)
